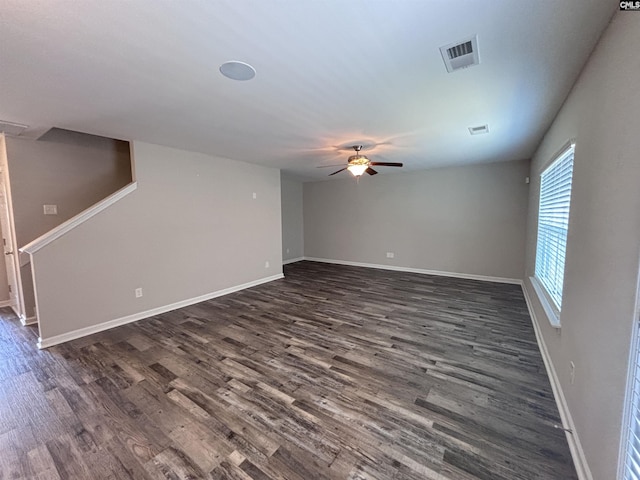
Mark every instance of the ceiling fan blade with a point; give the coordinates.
(338, 171)
(332, 165)
(371, 171)
(386, 164)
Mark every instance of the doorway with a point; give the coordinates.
(11, 254)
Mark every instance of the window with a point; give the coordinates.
(630, 467)
(553, 223)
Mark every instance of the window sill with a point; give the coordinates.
(552, 314)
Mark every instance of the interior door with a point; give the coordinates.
(8, 247)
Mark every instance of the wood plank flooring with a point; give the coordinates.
(334, 372)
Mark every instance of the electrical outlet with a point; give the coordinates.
(390, 255)
(255, 195)
(287, 250)
(138, 292)
(572, 372)
(266, 264)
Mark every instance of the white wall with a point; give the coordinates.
(468, 220)
(602, 114)
(292, 219)
(191, 228)
(73, 172)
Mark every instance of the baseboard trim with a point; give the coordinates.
(5, 303)
(28, 320)
(577, 452)
(83, 332)
(292, 260)
(468, 276)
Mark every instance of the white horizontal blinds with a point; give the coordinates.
(553, 223)
(632, 457)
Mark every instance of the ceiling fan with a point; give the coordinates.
(358, 164)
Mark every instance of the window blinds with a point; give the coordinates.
(553, 223)
(631, 467)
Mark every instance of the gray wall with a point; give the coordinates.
(190, 229)
(73, 172)
(468, 220)
(292, 219)
(601, 275)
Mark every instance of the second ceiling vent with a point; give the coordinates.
(460, 55)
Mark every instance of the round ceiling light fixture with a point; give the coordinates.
(237, 70)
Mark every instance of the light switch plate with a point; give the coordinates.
(50, 209)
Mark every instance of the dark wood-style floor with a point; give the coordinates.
(331, 373)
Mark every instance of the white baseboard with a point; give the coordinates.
(577, 453)
(83, 332)
(28, 320)
(292, 260)
(5, 303)
(468, 276)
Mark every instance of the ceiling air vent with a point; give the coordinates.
(13, 129)
(479, 130)
(461, 54)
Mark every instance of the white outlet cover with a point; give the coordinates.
(572, 372)
(50, 209)
(266, 264)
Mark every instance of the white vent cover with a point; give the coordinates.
(480, 129)
(461, 54)
(13, 129)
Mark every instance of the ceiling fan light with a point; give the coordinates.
(357, 170)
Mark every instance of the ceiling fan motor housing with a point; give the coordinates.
(359, 164)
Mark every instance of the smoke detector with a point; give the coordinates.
(461, 54)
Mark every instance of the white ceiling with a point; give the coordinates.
(330, 74)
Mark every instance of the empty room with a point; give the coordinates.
(296, 240)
